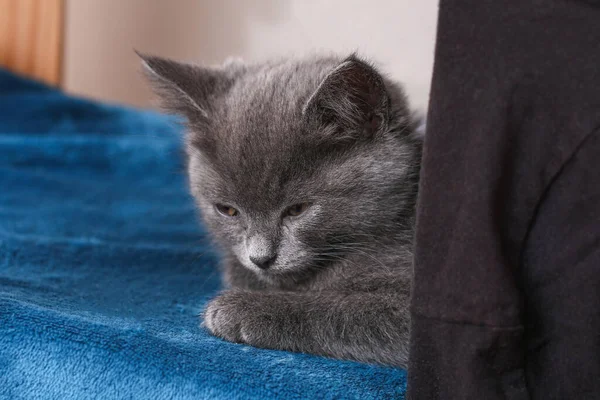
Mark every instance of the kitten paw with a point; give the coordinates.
(236, 316)
(221, 318)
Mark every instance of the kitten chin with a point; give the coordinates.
(305, 172)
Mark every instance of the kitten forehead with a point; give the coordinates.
(275, 93)
(258, 124)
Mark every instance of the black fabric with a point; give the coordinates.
(506, 299)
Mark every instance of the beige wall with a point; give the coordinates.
(100, 35)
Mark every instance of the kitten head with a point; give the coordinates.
(298, 163)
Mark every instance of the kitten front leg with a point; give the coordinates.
(368, 327)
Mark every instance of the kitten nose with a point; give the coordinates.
(263, 261)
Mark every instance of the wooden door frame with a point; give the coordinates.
(31, 38)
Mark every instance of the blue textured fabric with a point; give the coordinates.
(104, 268)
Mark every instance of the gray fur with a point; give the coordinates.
(326, 131)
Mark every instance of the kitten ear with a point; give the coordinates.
(353, 98)
(185, 89)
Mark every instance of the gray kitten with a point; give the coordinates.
(305, 172)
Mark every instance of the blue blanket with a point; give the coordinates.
(104, 268)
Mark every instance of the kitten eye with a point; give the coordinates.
(227, 210)
(296, 209)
